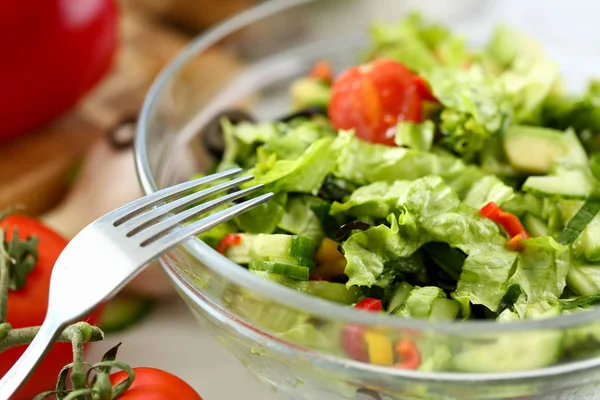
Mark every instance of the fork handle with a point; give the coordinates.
(23, 368)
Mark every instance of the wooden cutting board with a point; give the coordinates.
(35, 170)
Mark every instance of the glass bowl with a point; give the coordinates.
(291, 341)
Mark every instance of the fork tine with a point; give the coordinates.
(139, 222)
(174, 237)
(168, 223)
(125, 212)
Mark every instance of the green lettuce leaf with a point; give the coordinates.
(489, 188)
(528, 83)
(420, 300)
(302, 175)
(377, 200)
(542, 269)
(299, 217)
(417, 45)
(476, 108)
(368, 251)
(263, 218)
(430, 210)
(364, 163)
(415, 136)
(283, 140)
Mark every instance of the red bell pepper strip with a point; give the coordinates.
(408, 354)
(510, 222)
(353, 342)
(228, 240)
(369, 304)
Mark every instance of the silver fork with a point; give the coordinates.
(112, 250)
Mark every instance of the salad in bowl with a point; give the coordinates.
(430, 181)
(432, 233)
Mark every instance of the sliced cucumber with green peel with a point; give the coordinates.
(510, 352)
(535, 226)
(286, 249)
(291, 271)
(399, 296)
(575, 184)
(123, 311)
(444, 309)
(336, 292)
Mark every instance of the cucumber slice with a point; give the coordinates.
(398, 297)
(291, 271)
(510, 353)
(535, 226)
(580, 221)
(336, 292)
(287, 249)
(583, 280)
(534, 149)
(573, 184)
(124, 311)
(444, 309)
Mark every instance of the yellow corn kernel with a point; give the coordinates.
(380, 349)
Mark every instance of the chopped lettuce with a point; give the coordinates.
(302, 175)
(368, 251)
(420, 301)
(417, 45)
(476, 108)
(377, 200)
(263, 218)
(528, 83)
(415, 136)
(542, 269)
(362, 162)
(489, 188)
(300, 218)
(430, 211)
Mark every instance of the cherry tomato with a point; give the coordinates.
(373, 98)
(27, 306)
(53, 52)
(155, 384)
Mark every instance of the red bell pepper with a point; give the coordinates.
(353, 342)
(228, 240)
(409, 356)
(510, 222)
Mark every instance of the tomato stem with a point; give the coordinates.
(18, 337)
(77, 370)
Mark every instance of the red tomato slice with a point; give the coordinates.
(27, 306)
(373, 98)
(155, 384)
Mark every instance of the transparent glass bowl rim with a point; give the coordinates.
(278, 293)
